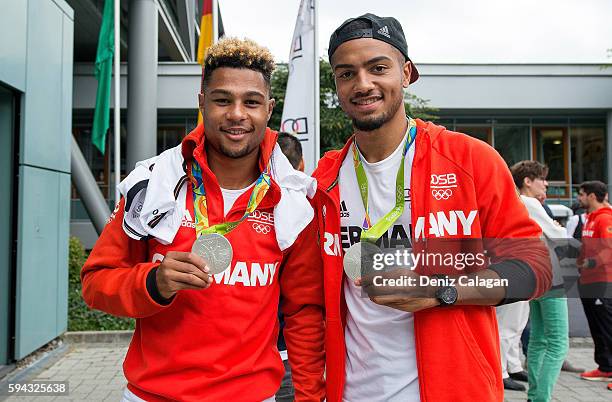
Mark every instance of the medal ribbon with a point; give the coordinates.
(200, 206)
(369, 232)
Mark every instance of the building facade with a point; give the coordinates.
(35, 122)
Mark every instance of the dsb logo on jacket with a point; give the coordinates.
(443, 185)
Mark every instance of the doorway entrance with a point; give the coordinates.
(7, 143)
(551, 147)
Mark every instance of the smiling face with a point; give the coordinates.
(370, 76)
(235, 108)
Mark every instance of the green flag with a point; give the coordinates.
(104, 68)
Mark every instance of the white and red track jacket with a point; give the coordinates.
(216, 344)
(457, 347)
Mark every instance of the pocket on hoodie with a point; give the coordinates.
(474, 349)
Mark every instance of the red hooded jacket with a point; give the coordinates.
(597, 245)
(457, 347)
(216, 344)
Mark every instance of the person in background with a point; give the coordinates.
(512, 318)
(542, 200)
(573, 228)
(595, 265)
(576, 222)
(548, 341)
(292, 148)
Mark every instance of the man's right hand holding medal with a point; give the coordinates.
(180, 270)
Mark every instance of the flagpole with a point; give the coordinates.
(317, 83)
(215, 18)
(117, 107)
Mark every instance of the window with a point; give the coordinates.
(512, 143)
(483, 133)
(169, 137)
(588, 153)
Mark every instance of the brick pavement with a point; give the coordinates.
(569, 387)
(94, 373)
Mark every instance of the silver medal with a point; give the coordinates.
(216, 250)
(353, 259)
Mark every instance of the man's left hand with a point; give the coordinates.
(408, 295)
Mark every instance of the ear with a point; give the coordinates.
(406, 70)
(527, 182)
(301, 165)
(271, 104)
(201, 102)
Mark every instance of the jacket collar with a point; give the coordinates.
(329, 166)
(192, 146)
(601, 211)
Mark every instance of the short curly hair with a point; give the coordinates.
(529, 168)
(237, 53)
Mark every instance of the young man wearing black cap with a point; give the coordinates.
(403, 181)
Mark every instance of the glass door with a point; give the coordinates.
(550, 146)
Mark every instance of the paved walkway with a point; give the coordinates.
(94, 373)
(569, 387)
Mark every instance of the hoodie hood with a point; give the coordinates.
(600, 212)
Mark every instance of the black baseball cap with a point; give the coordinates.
(386, 29)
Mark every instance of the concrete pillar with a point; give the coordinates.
(88, 189)
(142, 82)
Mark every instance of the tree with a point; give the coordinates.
(336, 128)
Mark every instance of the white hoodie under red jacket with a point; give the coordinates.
(216, 344)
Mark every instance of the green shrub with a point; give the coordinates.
(81, 317)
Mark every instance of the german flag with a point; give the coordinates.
(206, 28)
(207, 33)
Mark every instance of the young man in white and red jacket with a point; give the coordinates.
(404, 346)
(204, 337)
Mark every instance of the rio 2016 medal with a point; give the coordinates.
(355, 255)
(216, 250)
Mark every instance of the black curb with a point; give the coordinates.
(104, 337)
